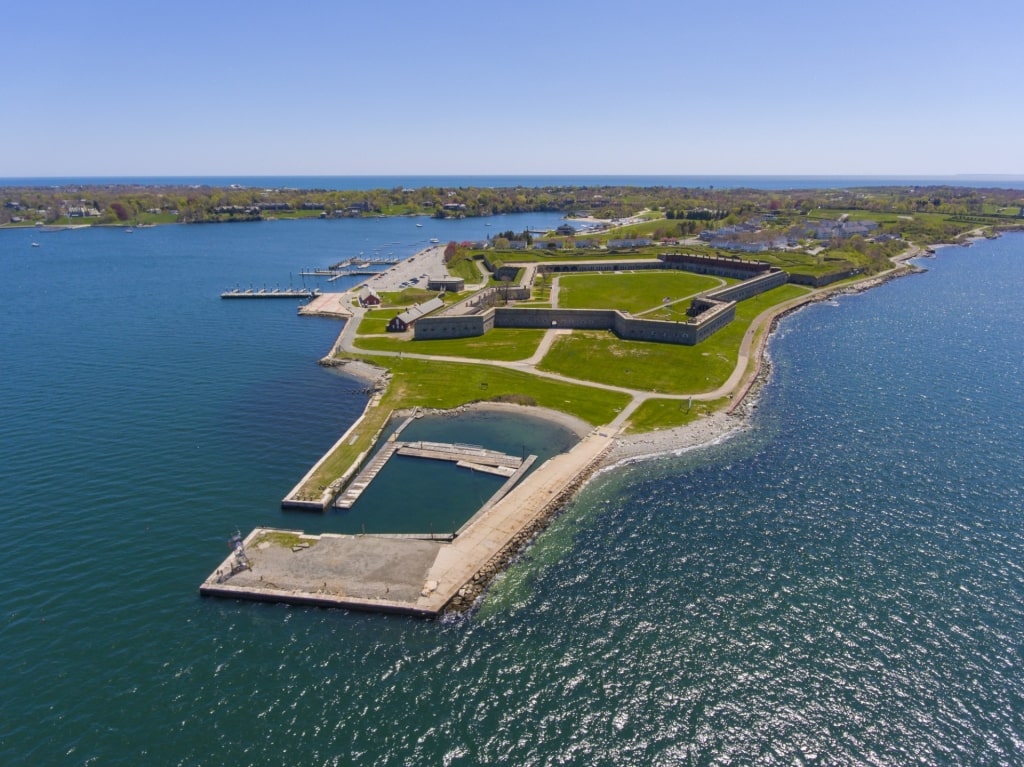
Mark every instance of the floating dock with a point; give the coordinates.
(271, 293)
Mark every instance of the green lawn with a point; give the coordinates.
(500, 344)
(406, 297)
(669, 413)
(449, 384)
(376, 321)
(445, 385)
(633, 293)
(465, 268)
(601, 357)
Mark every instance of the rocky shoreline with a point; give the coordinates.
(469, 595)
(710, 430)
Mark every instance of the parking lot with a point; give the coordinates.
(413, 272)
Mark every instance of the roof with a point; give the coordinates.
(412, 314)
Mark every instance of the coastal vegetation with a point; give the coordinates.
(445, 385)
(284, 539)
(934, 213)
(655, 413)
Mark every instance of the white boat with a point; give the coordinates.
(419, 225)
(35, 244)
(434, 241)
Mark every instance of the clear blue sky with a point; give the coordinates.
(104, 87)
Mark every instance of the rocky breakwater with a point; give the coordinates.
(474, 589)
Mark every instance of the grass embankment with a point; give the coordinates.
(670, 413)
(445, 385)
(408, 297)
(339, 460)
(601, 357)
(467, 269)
(375, 321)
(504, 344)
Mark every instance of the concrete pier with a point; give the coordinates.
(405, 575)
(327, 305)
(362, 480)
(469, 456)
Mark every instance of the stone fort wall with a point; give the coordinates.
(686, 333)
(711, 311)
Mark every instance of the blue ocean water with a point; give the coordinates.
(842, 583)
(415, 182)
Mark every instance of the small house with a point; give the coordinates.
(404, 321)
(368, 298)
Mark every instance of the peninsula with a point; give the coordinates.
(641, 341)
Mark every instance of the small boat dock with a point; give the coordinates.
(471, 457)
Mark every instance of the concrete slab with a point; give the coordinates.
(358, 572)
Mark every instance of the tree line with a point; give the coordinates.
(111, 204)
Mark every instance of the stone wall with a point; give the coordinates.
(709, 313)
(750, 288)
(821, 280)
(603, 266)
(458, 326)
(716, 265)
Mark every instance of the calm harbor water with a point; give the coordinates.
(843, 583)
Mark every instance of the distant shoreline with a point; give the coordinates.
(390, 181)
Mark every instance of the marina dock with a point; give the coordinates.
(271, 293)
(468, 456)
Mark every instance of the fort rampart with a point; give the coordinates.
(709, 312)
(688, 333)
